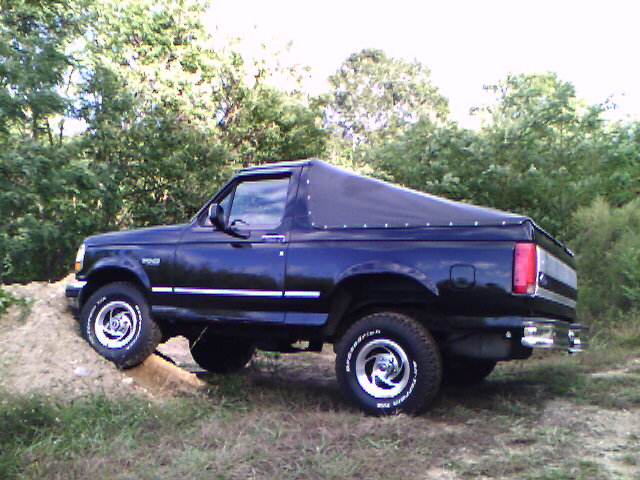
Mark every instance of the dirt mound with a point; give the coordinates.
(41, 351)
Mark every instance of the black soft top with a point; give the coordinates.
(338, 198)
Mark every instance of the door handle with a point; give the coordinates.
(273, 238)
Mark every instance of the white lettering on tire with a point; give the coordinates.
(356, 343)
(397, 402)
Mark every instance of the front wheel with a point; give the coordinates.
(219, 354)
(117, 324)
(388, 363)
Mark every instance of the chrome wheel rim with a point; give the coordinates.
(382, 368)
(116, 324)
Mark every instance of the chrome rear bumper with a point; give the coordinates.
(556, 334)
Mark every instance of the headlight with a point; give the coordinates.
(79, 258)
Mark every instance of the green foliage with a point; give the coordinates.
(35, 71)
(6, 300)
(35, 428)
(440, 160)
(164, 170)
(169, 113)
(375, 97)
(273, 127)
(48, 198)
(548, 153)
(608, 246)
(540, 152)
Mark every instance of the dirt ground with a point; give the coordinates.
(41, 351)
(526, 409)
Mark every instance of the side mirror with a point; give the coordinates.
(216, 216)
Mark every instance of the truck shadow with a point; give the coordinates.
(281, 389)
(312, 385)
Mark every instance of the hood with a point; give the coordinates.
(167, 234)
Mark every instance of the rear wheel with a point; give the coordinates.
(466, 371)
(387, 363)
(116, 322)
(219, 354)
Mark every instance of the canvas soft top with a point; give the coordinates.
(338, 198)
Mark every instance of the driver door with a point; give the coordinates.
(238, 273)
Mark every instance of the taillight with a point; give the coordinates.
(525, 268)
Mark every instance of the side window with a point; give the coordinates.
(226, 202)
(259, 203)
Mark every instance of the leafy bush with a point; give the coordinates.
(49, 200)
(607, 243)
(6, 300)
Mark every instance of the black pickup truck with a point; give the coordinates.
(411, 289)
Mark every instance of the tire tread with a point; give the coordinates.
(149, 328)
(429, 350)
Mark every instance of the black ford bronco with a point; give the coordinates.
(409, 288)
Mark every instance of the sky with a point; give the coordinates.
(465, 43)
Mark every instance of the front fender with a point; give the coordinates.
(124, 262)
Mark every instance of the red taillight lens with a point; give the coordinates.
(525, 268)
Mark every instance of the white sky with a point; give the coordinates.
(466, 43)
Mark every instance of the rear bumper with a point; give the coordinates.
(529, 332)
(555, 334)
(73, 293)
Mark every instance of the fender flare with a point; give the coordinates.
(341, 298)
(121, 262)
(386, 266)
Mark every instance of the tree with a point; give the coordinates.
(169, 114)
(47, 192)
(608, 249)
(374, 97)
(541, 152)
(442, 160)
(48, 196)
(547, 149)
(34, 69)
(272, 126)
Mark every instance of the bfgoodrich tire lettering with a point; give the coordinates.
(117, 324)
(388, 363)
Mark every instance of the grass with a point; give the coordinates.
(284, 418)
(575, 470)
(45, 440)
(570, 380)
(7, 299)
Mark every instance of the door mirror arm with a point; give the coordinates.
(234, 232)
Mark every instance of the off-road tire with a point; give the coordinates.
(220, 354)
(393, 343)
(117, 323)
(466, 371)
